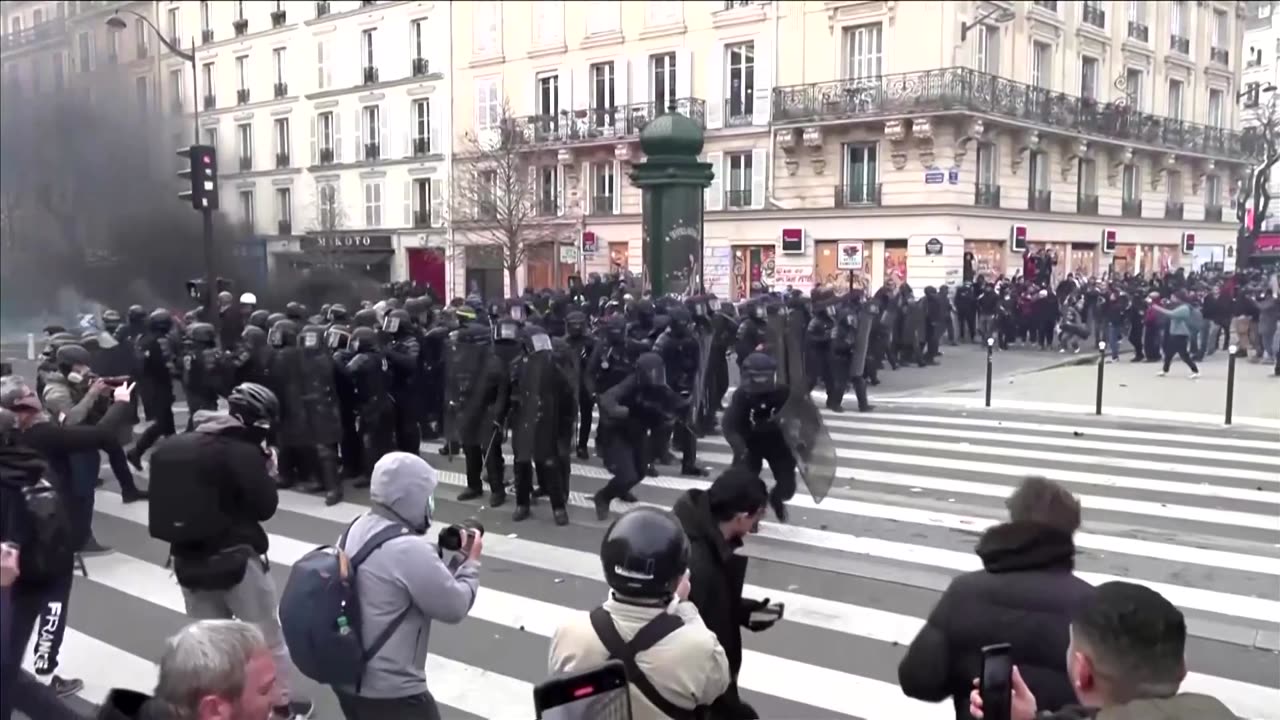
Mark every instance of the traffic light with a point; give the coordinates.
(1188, 243)
(1108, 240)
(1018, 238)
(203, 176)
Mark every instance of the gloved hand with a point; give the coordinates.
(755, 606)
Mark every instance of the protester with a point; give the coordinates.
(1024, 595)
(1126, 661)
(1177, 335)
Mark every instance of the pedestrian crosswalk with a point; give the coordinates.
(1192, 514)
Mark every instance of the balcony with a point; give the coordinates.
(1139, 32)
(370, 75)
(277, 18)
(282, 159)
(242, 96)
(602, 205)
(34, 35)
(322, 9)
(206, 36)
(421, 219)
(1131, 208)
(1086, 204)
(597, 125)
(739, 112)
(372, 151)
(1172, 210)
(1180, 44)
(284, 227)
(421, 146)
(856, 195)
(1050, 5)
(240, 25)
(986, 195)
(246, 163)
(420, 67)
(1039, 200)
(1093, 15)
(326, 156)
(1221, 56)
(1213, 213)
(737, 199)
(964, 91)
(210, 102)
(280, 90)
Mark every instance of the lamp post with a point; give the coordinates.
(117, 23)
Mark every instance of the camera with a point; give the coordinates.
(451, 538)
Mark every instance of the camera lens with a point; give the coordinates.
(451, 537)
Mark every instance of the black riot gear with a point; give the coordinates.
(311, 338)
(295, 311)
(650, 370)
(136, 314)
(160, 321)
(250, 361)
(506, 330)
(111, 320)
(203, 334)
(258, 319)
(274, 318)
(69, 356)
(203, 370)
(337, 337)
(759, 373)
(366, 318)
(575, 324)
(337, 314)
(645, 554)
(364, 339)
(397, 322)
(284, 333)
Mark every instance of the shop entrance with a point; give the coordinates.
(426, 268)
(752, 267)
(895, 262)
(484, 272)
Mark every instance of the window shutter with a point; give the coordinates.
(684, 75)
(621, 74)
(360, 134)
(759, 171)
(586, 189)
(482, 96)
(408, 203)
(509, 196)
(763, 67)
(560, 188)
(313, 139)
(617, 187)
(564, 89)
(321, 70)
(715, 86)
(640, 78)
(581, 97)
(715, 191)
(384, 137)
(93, 57)
(406, 137)
(437, 203)
(337, 135)
(433, 130)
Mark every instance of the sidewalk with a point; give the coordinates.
(1130, 390)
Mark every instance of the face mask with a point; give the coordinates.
(75, 378)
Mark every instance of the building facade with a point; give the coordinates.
(865, 141)
(1262, 71)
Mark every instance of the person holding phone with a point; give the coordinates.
(1126, 659)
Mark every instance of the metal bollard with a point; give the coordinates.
(31, 346)
(991, 343)
(1231, 382)
(1102, 363)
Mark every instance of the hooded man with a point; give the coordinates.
(406, 582)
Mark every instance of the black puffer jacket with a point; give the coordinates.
(1024, 596)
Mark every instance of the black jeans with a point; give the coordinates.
(20, 689)
(414, 707)
(1177, 344)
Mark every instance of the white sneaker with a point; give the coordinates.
(1194, 375)
(1162, 373)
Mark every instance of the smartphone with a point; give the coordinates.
(598, 693)
(997, 682)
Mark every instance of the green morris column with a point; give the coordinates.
(672, 180)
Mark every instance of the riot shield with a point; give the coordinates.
(867, 317)
(794, 370)
(914, 330)
(530, 393)
(807, 437)
(463, 366)
(699, 395)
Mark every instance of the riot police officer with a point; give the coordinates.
(317, 398)
(403, 351)
(251, 362)
(538, 409)
(203, 371)
(681, 358)
(752, 427)
(751, 331)
(350, 447)
(468, 364)
(582, 345)
(375, 416)
(157, 349)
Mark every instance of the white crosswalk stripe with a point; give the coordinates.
(1190, 515)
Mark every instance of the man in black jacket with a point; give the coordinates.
(716, 521)
(1025, 595)
(211, 491)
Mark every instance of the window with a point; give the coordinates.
(206, 77)
(417, 32)
(484, 36)
(739, 187)
(548, 98)
(175, 87)
(206, 22)
(211, 137)
(85, 47)
(242, 72)
(174, 29)
(141, 38)
(861, 173)
(1213, 191)
(1133, 81)
(742, 82)
(604, 185)
(327, 206)
(1137, 12)
(548, 23)
(662, 13)
(140, 85)
(1216, 118)
(369, 117)
(988, 169)
(373, 204)
(603, 17)
(421, 126)
(59, 70)
(1039, 173)
(1175, 99)
(1174, 181)
(863, 52)
(421, 203)
(37, 17)
(323, 78)
(987, 47)
(488, 192)
(246, 207)
(1178, 18)
(488, 106)
(325, 133)
(548, 189)
(1041, 64)
(1221, 28)
(244, 145)
(284, 206)
(1086, 178)
(662, 68)
(15, 24)
(277, 63)
(601, 78)
(280, 134)
(1089, 77)
(113, 47)
(366, 47)
(1132, 185)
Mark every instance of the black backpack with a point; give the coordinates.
(186, 505)
(48, 551)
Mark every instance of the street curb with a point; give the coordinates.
(1166, 416)
(1081, 359)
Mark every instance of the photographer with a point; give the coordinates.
(404, 585)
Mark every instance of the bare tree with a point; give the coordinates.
(1254, 193)
(330, 217)
(497, 198)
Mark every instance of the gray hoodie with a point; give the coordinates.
(405, 572)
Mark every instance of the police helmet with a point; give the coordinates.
(506, 330)
(160, 320)
(203, 333)
(295, 311)
(645, 554)
(363, 339)
(274, 318)
(254, 405)
(365, 317)
(337, 313)
(284, 333)
(651, 370)
(759, 372)
(396, 321)
(89, 339)
(136, 314)
(258, 319)
(337, 337)
(111, 320)
(254, 336)
(311, 338)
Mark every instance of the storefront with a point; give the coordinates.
(426, 267)
(364, 256)
(840, 265)
(753, 266)
(983, 258)
(895, 262)
(540, 272)
(484, 275)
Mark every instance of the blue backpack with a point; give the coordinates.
(320, 612)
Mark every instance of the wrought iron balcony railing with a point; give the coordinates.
(1139, 32)
(326, 156)
(602, 205)
(1086, 204)
(420, 67)
(282, 159)
(1213, 213)
(1173, 210)
(739, 111)
(1039, 200)
(738, 199)
(1131, 208)
(322, 9)
(421, 219)
(986, 195)
(855, 195)
(421, 146)
(277, 18)
(370, 75)
(242, 96)
(281, 89)
(210, 102)
(206, 36)
(548, 206)
(40, 32)
(284, 227)
(1094, 15)
(240, 25)
(582, 126)
(246, 163)
(968, 91)
(1180, 44)
(1221, 56)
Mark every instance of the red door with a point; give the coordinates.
(426, 267)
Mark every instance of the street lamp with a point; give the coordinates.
(997, 15)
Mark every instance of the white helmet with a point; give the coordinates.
(248, 299)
